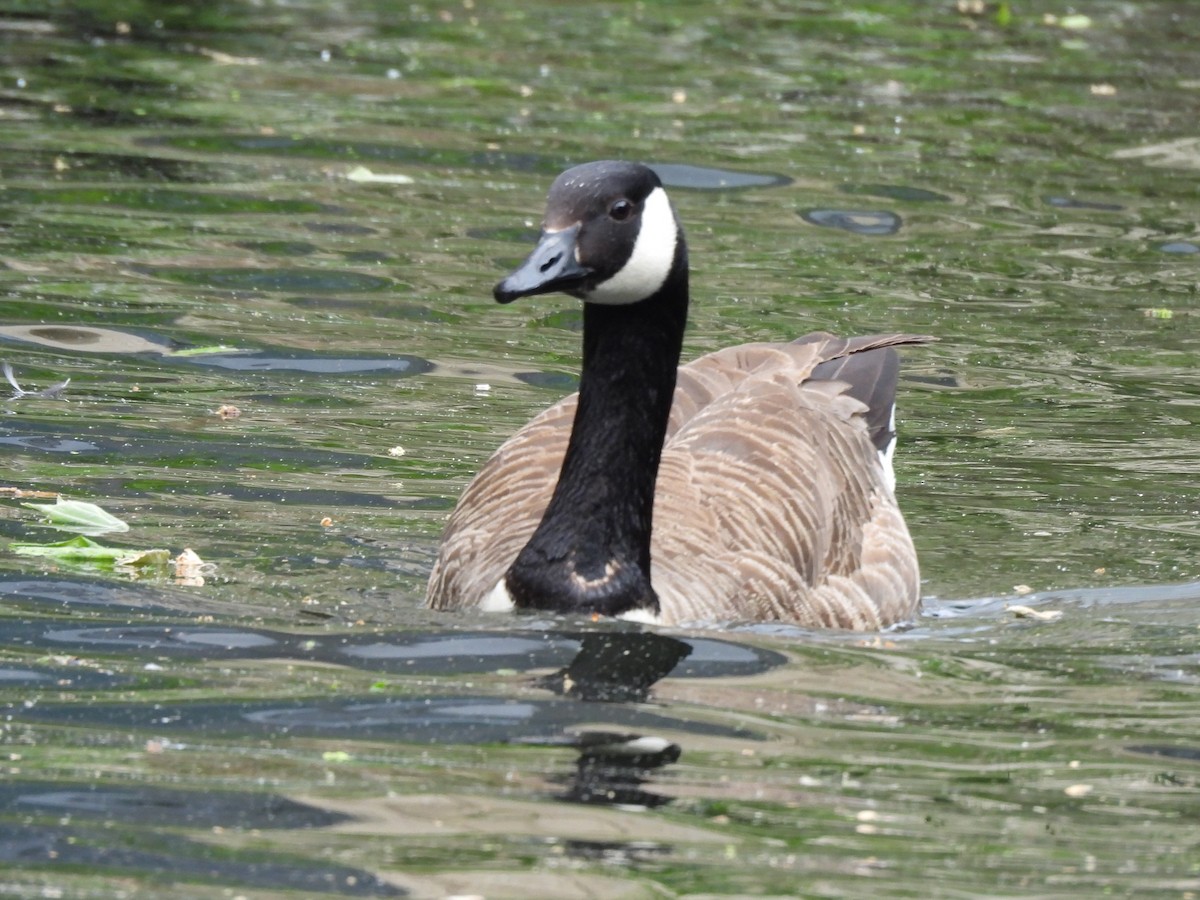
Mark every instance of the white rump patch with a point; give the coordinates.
(888, 452)
(498, 599)
(650, 262)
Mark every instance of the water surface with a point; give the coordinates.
(297, 213)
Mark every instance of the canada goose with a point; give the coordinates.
(765, 467)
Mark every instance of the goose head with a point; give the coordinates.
(609, 237)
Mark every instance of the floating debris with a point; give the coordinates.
(1074, 22)
(224, 59)
(21, 493)
(54, 392)
(1028, 612)
(363, 175)
(190, 569)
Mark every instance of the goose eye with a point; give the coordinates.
(620, 210)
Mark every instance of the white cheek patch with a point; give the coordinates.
(651, 260)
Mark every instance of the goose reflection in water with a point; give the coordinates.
(618, 667)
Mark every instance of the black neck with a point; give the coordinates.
(591, 552)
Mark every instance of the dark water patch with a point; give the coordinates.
(157, 806)
(704, 178)
(1184, 247)
(900, 192)
(950, 380)
(514, 235)
(92, 166)
(378, 306)
(175, 860)
(345, 229)
(320, 498)
(94, 22)
(712, 658)
(870, 222)
(61, 678)
(461, 719)
(291, 249)
(163, 201)
(67, 592)
(163, 639)
(372, 256)
(91, 339)
(401, 366)
(615, 653)
(559, 382)
(114, 111)
(211, 456)
(57, 594)
(46, 444)
(1075, 203)
(289, 280)
(569, 318)
(31, 237)
(1142, 598)
(202, 451)
(1189, 754)
(360, 151)
(459, 653)
(678, 175)
(14, 676)
(616, 853)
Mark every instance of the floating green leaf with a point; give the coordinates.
(82, 550)
(76, 549)
(78, 515)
